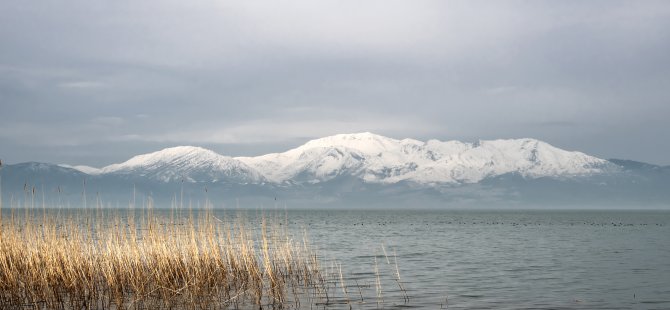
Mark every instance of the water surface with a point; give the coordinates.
(504, 259)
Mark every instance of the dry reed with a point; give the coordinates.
(124, 261)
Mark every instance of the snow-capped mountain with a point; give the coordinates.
(188, 163)
(367, 156)
(378, 159)
(361, 169)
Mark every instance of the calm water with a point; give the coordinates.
(501, 259)
(459, 259)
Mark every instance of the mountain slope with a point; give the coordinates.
(19, 180)
(188, 163)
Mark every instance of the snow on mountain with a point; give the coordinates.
(85, 169)
(369, 157)
(378, 159)
(321, 159)
(455, 161)
(311, 164)
(193, 164)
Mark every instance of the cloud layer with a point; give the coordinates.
(84, 82)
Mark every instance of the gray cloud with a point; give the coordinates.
(81, 78)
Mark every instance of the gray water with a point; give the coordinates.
(501, 259)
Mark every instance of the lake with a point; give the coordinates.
(461, 259)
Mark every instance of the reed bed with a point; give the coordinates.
(129, 261)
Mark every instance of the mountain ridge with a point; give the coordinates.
(371, 157)
(363, 169)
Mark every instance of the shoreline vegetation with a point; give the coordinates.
(102, 260)
(143, 258)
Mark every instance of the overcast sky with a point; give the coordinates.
(93, 82)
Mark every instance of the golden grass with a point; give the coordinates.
(127, 261)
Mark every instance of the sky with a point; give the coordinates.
(96, 82)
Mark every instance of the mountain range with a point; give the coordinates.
(358, 170)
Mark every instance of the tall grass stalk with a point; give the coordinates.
(102, 261)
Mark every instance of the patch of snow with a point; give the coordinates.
(82, 168)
